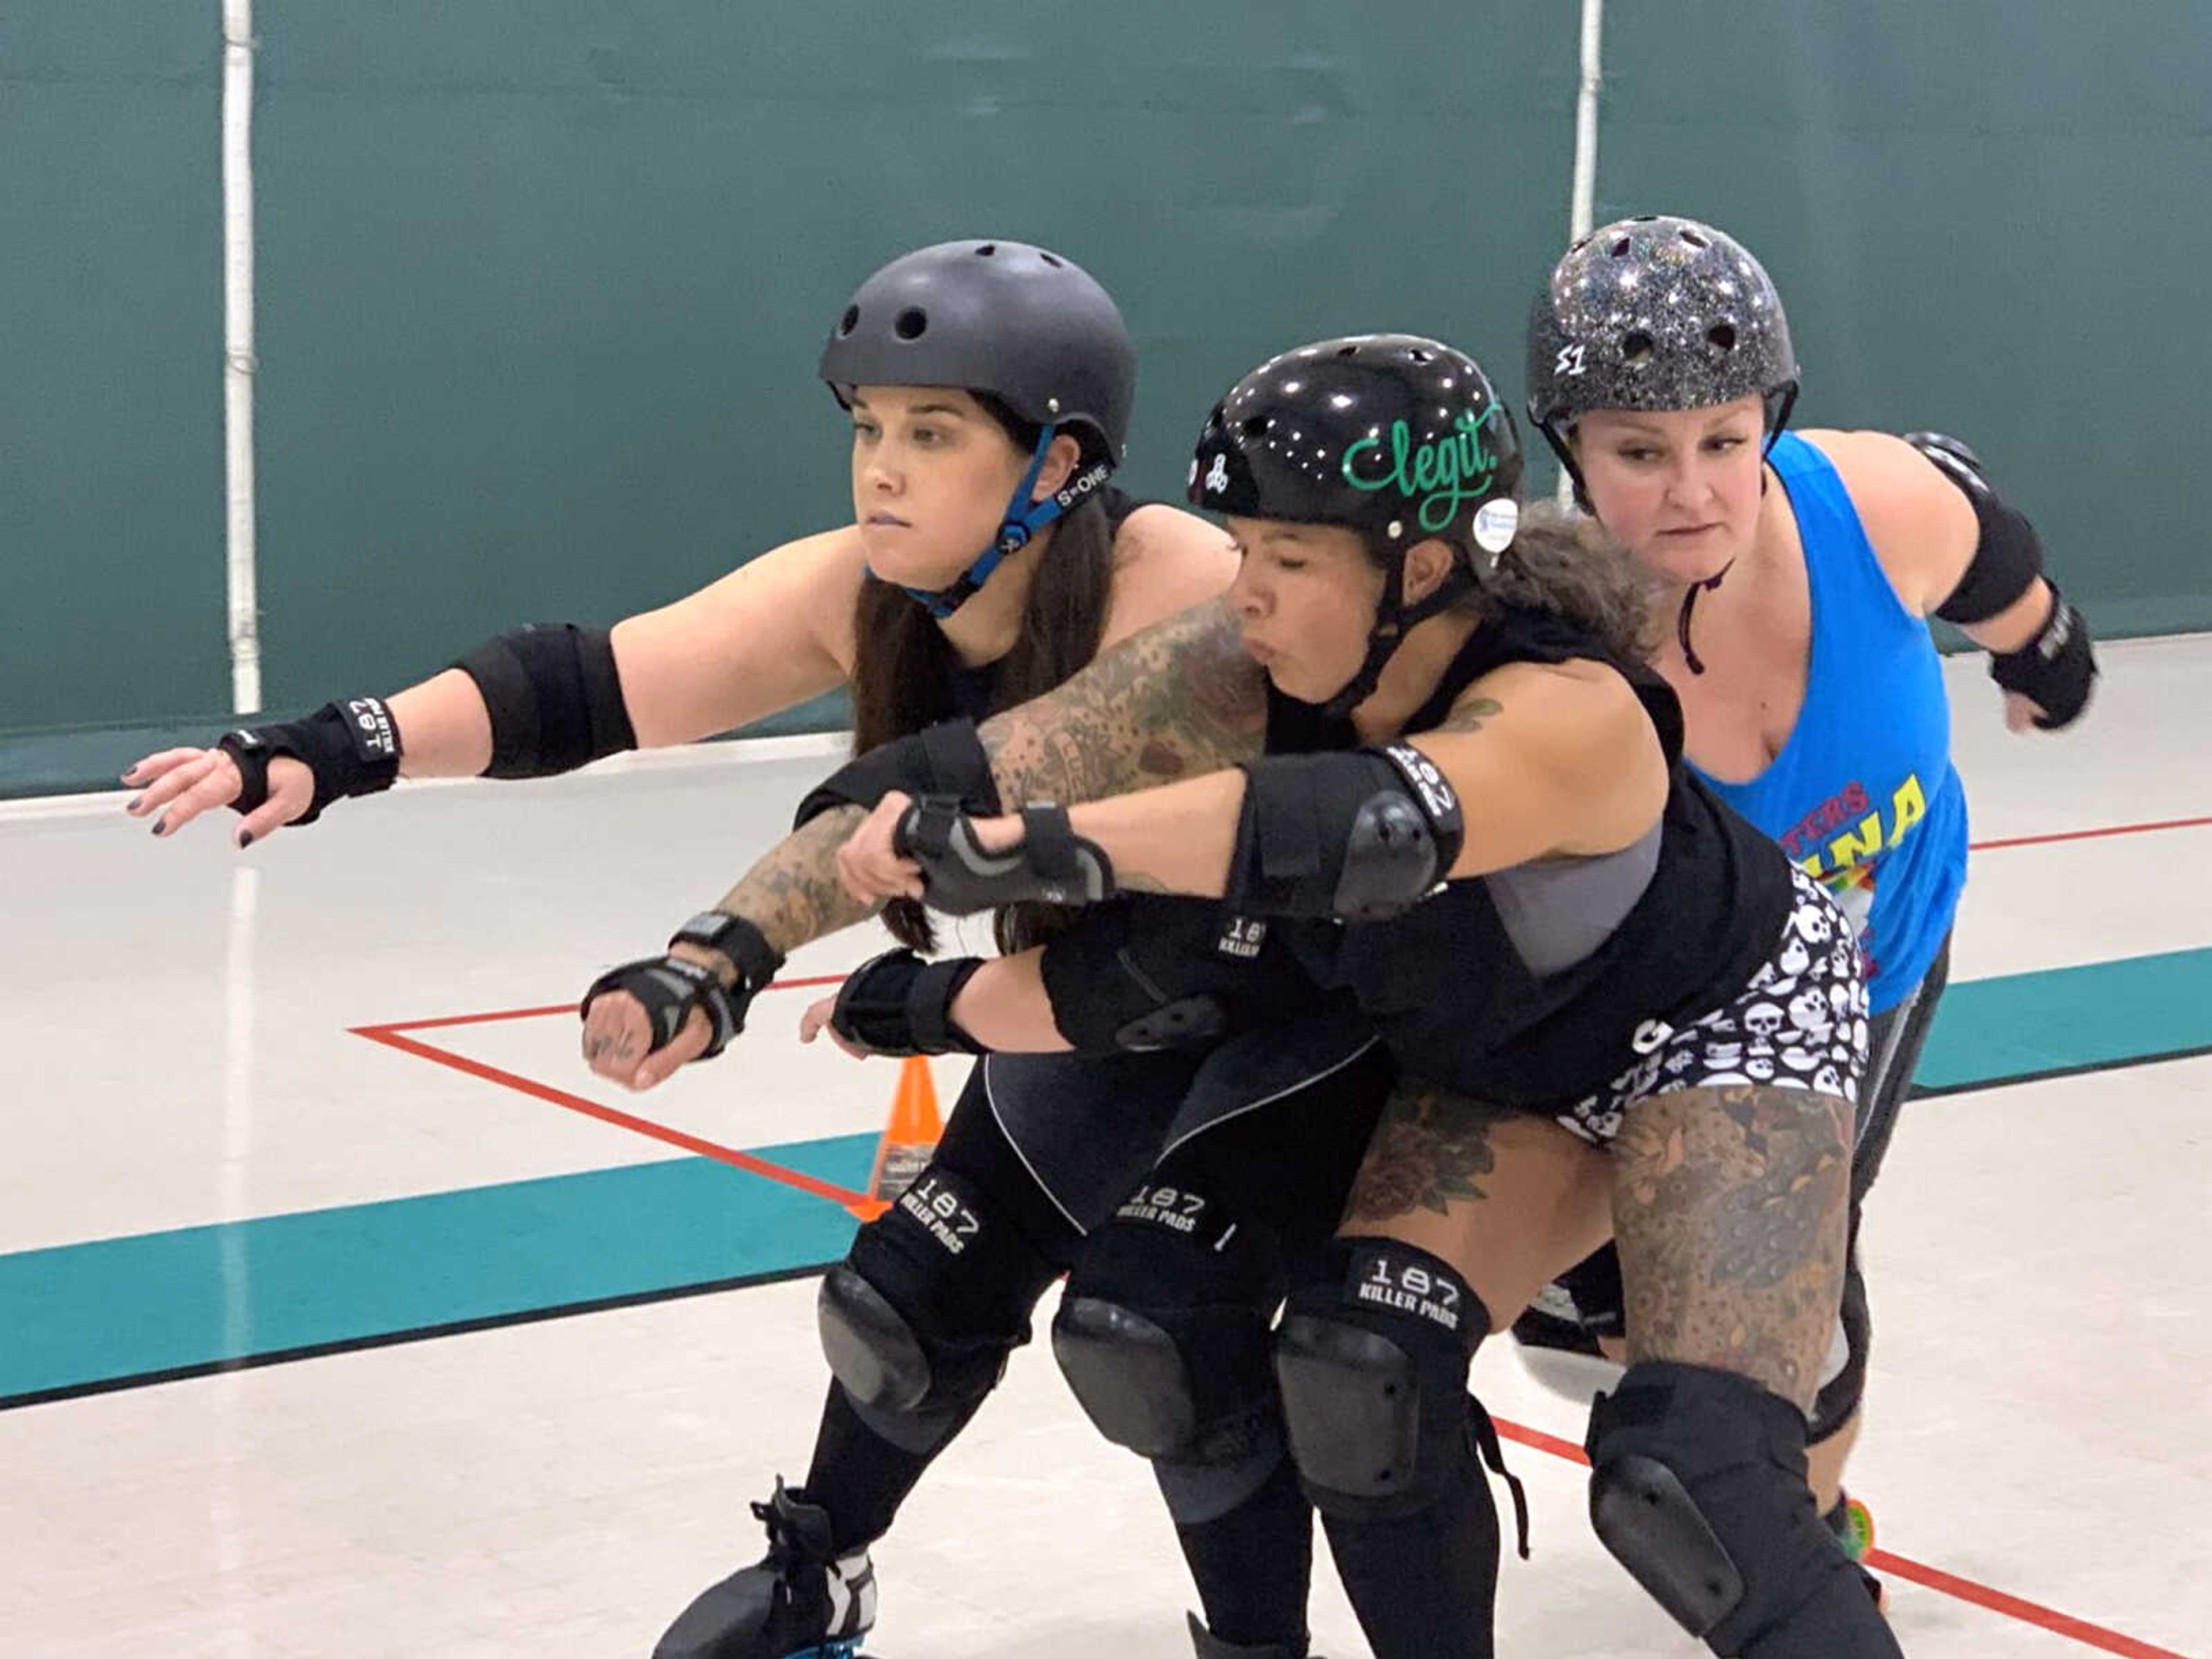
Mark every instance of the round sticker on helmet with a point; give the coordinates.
(1495, 523)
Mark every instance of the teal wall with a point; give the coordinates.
(1987, 216)
(541, 285)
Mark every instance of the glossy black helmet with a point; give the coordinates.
(1400, 438)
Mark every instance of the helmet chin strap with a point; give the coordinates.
(1682, 616)
(1394, 620)
(1690, 594)
(1021, 521)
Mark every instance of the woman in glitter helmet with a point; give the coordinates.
(1793, 575)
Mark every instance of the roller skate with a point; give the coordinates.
(799, 1601)
(1852, 1522)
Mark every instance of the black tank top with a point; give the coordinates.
(1450, 983)
(975, 689)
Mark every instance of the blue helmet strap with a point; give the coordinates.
(1024, 519)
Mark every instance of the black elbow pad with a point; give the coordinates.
(1356, 835)
(555, 699)
(2007, 555)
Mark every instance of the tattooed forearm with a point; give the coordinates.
(792, 894)
(1728, 1204)
(1427, 1152)
(1179, 698)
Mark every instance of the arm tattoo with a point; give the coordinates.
(1728, 1203)
(1427, 1152)
(1182, 697)
(1471, 715)
(791, 894)
(1175, 700)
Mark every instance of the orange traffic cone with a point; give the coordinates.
(909, 1139)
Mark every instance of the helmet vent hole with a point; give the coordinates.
(1052, 259)
(849, 321)
(1723, 337)
(986, 250)
(1636, 347)
(1694, 239)
(1255, 424)
(1347, 351)
(1418, 354)
(911, 324)
(1620, 248)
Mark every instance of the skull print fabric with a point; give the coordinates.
(1800, 1024)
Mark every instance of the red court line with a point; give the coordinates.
(1934, 1578)
(553, 1008)
(845, 1198)
(2088, 834)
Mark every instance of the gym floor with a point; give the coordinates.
(346, 1314)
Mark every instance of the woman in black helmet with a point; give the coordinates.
(1458, 804)
(1793, 575)
(987, 557)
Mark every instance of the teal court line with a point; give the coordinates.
(87, 1317)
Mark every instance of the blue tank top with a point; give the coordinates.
(1864, 795)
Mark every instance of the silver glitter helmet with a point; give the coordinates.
(1656, 313)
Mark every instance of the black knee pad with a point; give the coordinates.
(1165, 1330)
(1697, 1487)
(1372, 1363)
(935, 1293)
(1840, 1393)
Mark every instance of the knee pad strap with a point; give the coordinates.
(1839, 1396)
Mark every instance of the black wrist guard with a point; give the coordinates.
(670, 987)
(744, 944)
(2055, 669)
(352, 748)
(897, 1004)
(1051, 864)
(945, 759)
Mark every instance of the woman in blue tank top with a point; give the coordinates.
(1793, 598)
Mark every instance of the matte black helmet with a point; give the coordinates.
(1030, 327)
(1400, 438)
(1654, 313)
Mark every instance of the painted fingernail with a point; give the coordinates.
(244, 839)
(161, 824)
(136, 801)
(130, 775)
